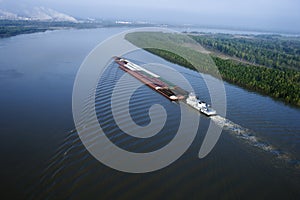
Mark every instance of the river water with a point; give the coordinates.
(257, 155)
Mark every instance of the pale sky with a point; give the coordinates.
(261, 14)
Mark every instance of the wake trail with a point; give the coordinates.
(252, 139)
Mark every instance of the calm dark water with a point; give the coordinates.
(43, 157)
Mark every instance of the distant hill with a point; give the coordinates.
(37, 14)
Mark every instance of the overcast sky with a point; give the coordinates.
(260, 14)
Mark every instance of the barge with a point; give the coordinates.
(151, 79)
(168, 90)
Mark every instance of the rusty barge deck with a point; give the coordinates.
(152, 80)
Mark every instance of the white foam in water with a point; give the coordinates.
(248, 136)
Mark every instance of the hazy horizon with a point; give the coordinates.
(279, 15)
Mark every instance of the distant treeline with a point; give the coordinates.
(10, 28)
(268, 50)
(281, 84)
(13, 31)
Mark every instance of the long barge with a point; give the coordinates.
(168, 90)
(151, 79)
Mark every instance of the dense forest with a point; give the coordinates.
(268, 50)
(281, 83)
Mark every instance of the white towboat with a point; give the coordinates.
(201, 106)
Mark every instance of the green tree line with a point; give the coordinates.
(267, 50)
(281, 84)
